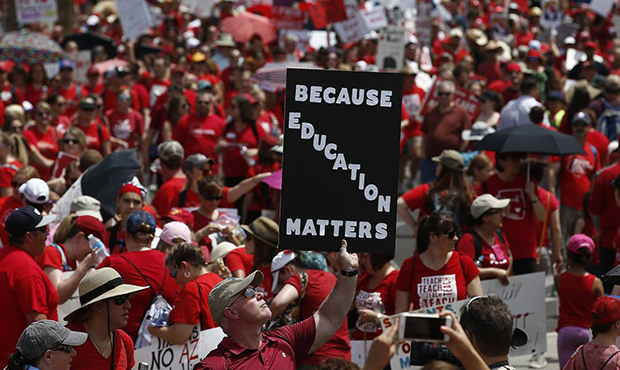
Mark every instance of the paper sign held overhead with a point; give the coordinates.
(391, 49)
(134, 16)
(336, 184)
(552, 14)
(35, 11)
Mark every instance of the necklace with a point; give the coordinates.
(99, 348)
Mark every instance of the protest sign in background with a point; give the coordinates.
(134, 16)
(463, 97)
(35, 11)
(340, 169)
(552, 14)
(391, 48)
(525, 296)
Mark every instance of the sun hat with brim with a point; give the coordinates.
(451, 159)
(478, 131)
(264, 229)
(222, 249)
(100, 285)
(221, 294)
(486, 202)
(277, 263)
(44, 335)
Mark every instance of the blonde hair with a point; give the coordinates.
(15, 111)
(79, 135)
(64, 229)
(18, 148)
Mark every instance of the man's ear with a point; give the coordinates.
(231, 313)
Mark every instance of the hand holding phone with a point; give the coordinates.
(423, 327)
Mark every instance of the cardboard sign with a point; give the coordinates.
(375, 18)
(164, 355)
(36, 11)
(525, 296)
(62, 161)
(424, 22)
(601, 7)
(391, 48)
(336, 184)
(464, 98)
(287, 17)
(355, 27)
(134, 16)
(82, 61)
(199, 8)
(499, 24)
(552, 14)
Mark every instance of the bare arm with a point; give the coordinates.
(239, 274)
(598, 288)
(333, 311)
(403, 212)
(556, 239)
(33, 316)
(244, 186)
(38, 158)
(489, 273)
(539, 209)
(403, 301)
(286, 296)
(552, 176)
(5, 192)
(106, 148)
(178, 333)
(474, 288)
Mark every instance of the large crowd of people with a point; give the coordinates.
(194, 237)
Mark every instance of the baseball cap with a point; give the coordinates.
(226, 289)
(43, 335)
(456, 32)
(250, 98)
(141, 222)
(583, 117)
(192, 42)
(555, 94)
(204, 84)
(535, 12)
(486, 202)
(170, 149)
(178, 69)
(277, 263)
(90, 225)
(534, 54)
(181, 215)
(513, 67)
(612, 83)
(85, 205)
(92, 20)
(92, 71)
(222, 249)
(35, 191)
(197, 160)
(451, 159)
(198, 57)
(589, 44)
(26, 219)
(66, 64)
(173, 230)
(606, 310)
(578, 241)
(87, 103)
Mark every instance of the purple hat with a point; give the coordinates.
(579, 241)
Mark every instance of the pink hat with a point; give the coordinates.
(579, 241)
(173, 230)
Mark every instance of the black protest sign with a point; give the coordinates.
(340, 169)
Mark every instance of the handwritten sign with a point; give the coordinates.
(135, 18)
(287, 17)
(35, 11)
(355, 27)
(391, 49)
(462, 97)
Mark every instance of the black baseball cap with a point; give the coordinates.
(26, 219)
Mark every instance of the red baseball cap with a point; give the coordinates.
(513, 67)
(250, 98)
(606, 310)
(180, 215)
(90, 225)
(178, 69)
(93, 71)
(534, 54)
(590, 44)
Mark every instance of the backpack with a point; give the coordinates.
(609, 122)
(448, 204)
(157, 306)
(65, 266)
(478, 241)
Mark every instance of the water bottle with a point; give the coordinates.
(248, 158)
(97, 246)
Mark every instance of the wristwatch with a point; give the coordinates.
(349, 272)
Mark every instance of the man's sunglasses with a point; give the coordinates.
(121, 299)
(249, 293)
(444, 93)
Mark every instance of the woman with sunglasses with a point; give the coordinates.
(189, 268)
(42, 140)
(46, 345)
(486, 245)
(58, 106)
(13, 155)
(104, 312)
(73, 142)
(436, 274)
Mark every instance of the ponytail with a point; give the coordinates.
(17, 362)
(422, 238)
(18, 148)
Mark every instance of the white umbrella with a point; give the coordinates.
(273, 75)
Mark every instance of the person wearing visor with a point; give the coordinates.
(103, 312)
(32, 295)
(241, 312)
(46, 345)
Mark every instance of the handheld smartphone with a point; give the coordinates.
(423, 328)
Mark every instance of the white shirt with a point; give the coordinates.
(517, 112)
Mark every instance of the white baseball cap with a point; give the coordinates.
(486, 202)
(35, 191)
(279, 261)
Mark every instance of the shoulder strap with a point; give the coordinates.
(609, 359)
(113, 241)
(182, 198)
(485, 187)
(477, 243)
(100, 135)
(65, 266)
(144, 277)
(199, 304)
(498, 232)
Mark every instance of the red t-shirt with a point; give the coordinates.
(191, 199)
(600, 142)
(46, 143)
(320, 284)
(492, 256)
(24, 288)
(263, 194)
(51, 257)
(602, 204)
(193, 302)
(233, 163)
(151, 264)
(575, 176)
(96, 134)
(238, 259)
(71, 97)
(412, 100)
(519, 225)
(156, 88)
(7, 205)
(265, 286)
(7, 171)
(430, 288)
(554, 204)
(126, 126)
(62, 124)
(89, 358)
(576, 300)
(416, 198)
(33, 94)
(87, 90)
(198, 134)
(166, 193)
(367, 298)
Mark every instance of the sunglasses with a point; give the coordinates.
(203, 102)
(70, 141)
(42, 229)
(67, 349)
(120, 300)
(451, 234)
(249, 293)
(61, 104)
(444, 94)
(88, 109)
(124, 98)
(209, 197)
(42, 114)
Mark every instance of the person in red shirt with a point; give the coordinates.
(42, 140)
(198, 132)
(436, 274)
(490, 68)
(59, 120)
(130, 199)
(159, 83)
(411, 133)
(486, 245)
(513, 90)
(126, 124)
(97, 135)
(141, 265)
(26, 291)
(237, 260)
(13, 155)
(94, 84)
(574, 174)
(195, 167)
(171, 155)
(104, 311)
(9, 93)
(262, 196)
(70, 245)
(67, 88)
(298, 281)
(376, 294)
(37, 85)
(577, 290)
(189, 268)
(11, 202)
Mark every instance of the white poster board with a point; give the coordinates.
(424, 22)
(134, 16)
(525, 296)
(391, 48)
(355, 27)
(82, 60)
(199, 8)
(375, 18)
(573, 57)
(163, 355)
(552, 15)
(601, 7)
(35, 11)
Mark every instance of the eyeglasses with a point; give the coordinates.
(121, 299)
(61, 104)
(210, 197)
(444, 94)
(207, 102)
(123, 98)
(67, 349)
(173, 272)
(451, 234)
(42, 113)
(249, 293)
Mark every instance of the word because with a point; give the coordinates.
(328, 95)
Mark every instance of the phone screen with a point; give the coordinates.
(424, 328)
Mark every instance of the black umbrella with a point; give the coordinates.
(103, 180)
(89, 40)
(145, 49)
(530, 138)
(612, 275)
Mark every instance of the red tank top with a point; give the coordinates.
(576, 300)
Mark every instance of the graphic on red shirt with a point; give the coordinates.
(517, 203)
